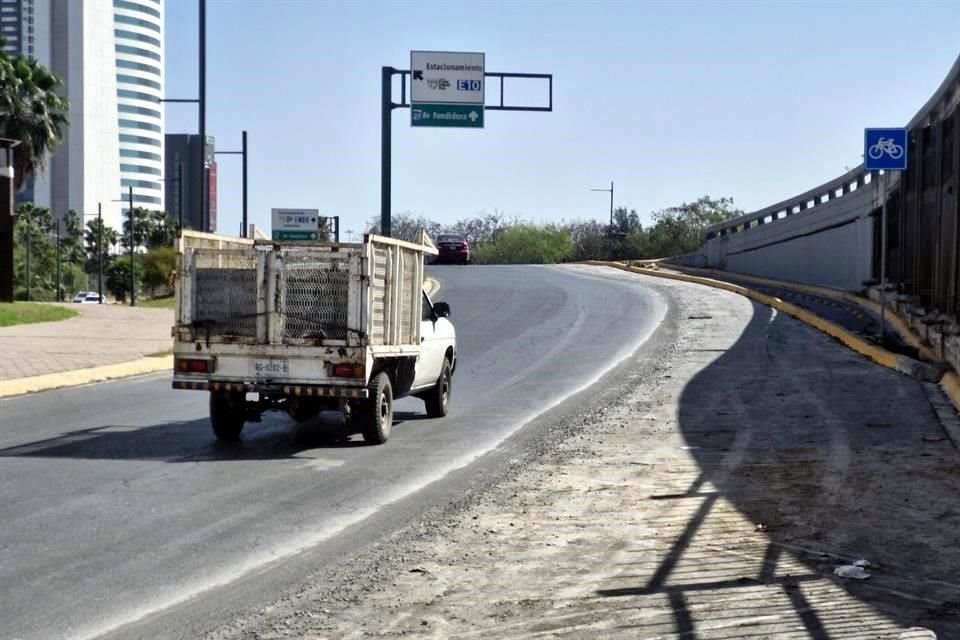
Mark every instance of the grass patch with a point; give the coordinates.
(31, 312)
(158, 303)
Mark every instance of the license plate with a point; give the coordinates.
(272, 367)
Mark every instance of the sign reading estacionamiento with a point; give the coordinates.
(446, 89)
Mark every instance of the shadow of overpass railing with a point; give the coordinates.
(809, 457)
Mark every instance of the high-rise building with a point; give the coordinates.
(182, 149)
(138, 31)
(109, 54)
(17, 26)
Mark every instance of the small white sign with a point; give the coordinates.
(296, 219)
(443, 77)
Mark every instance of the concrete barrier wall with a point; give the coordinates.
(830, 244)
(824, 236)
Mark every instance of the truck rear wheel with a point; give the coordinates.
(227, 415)
(437, 399)
(376, 416)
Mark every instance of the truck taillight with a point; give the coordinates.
(347, 370)
(193, 365)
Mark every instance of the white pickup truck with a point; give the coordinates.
(303, 328)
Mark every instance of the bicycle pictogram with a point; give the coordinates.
(885, 146)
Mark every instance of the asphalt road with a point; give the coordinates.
(122, 517)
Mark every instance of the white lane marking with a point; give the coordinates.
(178, 594)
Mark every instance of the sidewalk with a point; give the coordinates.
(101, 335)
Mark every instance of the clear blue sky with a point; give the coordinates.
(670, 100)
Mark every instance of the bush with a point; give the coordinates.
(527, 244)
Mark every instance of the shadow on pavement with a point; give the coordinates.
(809, 458)
(191, 441)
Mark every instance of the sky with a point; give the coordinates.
(757, 101)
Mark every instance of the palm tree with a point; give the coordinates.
(32, 112)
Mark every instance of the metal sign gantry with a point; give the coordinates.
(453, 112)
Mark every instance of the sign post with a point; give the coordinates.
(884, 150)
(295, 225)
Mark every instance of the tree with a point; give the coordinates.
(590, 240)
(32, 112)
(161, 230)
(158, 265)
(678, 230)
(143, 228)
(90, 240)
(324, 229)
(626, 222)
(34, 244)
(405, 226)
(118, 277)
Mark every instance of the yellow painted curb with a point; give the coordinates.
(901, 326)
(861, 346)
(47, 381)
(950, 383)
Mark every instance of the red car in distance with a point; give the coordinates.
(453, 248)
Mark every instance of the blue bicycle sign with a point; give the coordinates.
(885, 149)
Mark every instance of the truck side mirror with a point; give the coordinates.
(441, 309)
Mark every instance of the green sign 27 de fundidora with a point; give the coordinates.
(446, 115)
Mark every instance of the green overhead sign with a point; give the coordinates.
(447, 115)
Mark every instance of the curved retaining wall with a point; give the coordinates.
(829, 235)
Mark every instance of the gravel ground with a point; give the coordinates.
(709, 492)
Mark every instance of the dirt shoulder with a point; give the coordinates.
(745, 461)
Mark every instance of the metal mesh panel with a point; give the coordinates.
(225, 291)
(316, 287)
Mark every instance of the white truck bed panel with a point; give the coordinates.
(309, 305)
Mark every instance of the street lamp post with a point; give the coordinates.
(99, 215)
(610, 228)
(242, 152)
(133, 268)
(59, 270)
(29, 251)
(6, 220)
(179, 181)
(201, 101)
(132, 235)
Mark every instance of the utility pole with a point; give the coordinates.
(59, 270)
(883, 259)
(202, 103)
(29, 250)
(100, 252)
(386, 136)
(133, 268)
(610, 228)
(6, 221)
(244, 147)
(242, 152)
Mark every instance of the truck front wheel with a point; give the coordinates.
(437, 399)
(376, 414)
(227, 415)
